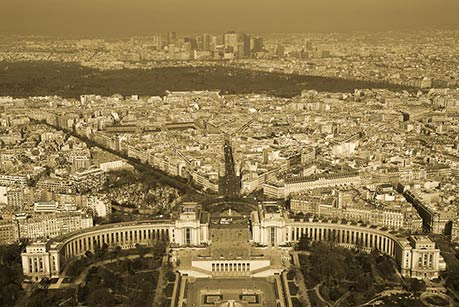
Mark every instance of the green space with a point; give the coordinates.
(315, 300)
(42, 78)
(296, 302)
(352, 275)
(102, 254)
(43, 297)
(107, 277)
(452, 278)
(168, 290)
(291, 275)
(293, 288)
(123, 287)
(10, 274)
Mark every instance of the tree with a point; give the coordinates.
(452, 279)
(101, 252)
(417, 285)
(325, 291)
(101, 297)
(44, 283)
(76, 267)
(109, 279)
(38, 298)
(364, 283)
(137, 264)
(41, 298)
(137, 300)
(117, 252)
(141, 250)
(303, 244)
(88, 254)
(8, 294)
(10, 274)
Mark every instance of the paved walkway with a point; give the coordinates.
(319, 295)
(300, 279)
(279, 283)
(342, 298)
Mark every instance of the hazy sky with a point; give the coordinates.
(143, 17)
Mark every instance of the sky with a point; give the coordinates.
(145, 17)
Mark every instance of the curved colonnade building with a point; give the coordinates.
(47, 259)
(416, 256)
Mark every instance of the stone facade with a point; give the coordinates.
(271, 226)
(46, 259)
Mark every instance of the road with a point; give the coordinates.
(231, 183)
(142, 167)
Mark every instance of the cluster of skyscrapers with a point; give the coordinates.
(229, 44)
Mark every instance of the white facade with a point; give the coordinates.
(52, 225)
(425, 258)
(416, 256)
(113, 165)
(100, 207)
(188, 228)
(185, 230)
(38, 262)
(297, 185)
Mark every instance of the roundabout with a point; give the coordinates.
(243, 208)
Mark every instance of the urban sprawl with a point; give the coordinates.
(372, 169)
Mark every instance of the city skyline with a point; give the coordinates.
(200, 153)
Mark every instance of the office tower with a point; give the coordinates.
(246, 45)
(187, 46)
(192, 41)
(205, 42)
(213, 43)
(257, 44)
(171, 38)
(171, 51)
(156, 42)
(240, 50)
(280, 51)
(230, 40)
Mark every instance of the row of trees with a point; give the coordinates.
(452, 279)
(10, 274)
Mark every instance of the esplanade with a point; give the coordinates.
(270, 227)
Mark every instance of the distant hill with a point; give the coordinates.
(24, 79)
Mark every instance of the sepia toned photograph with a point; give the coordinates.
(243, 153)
